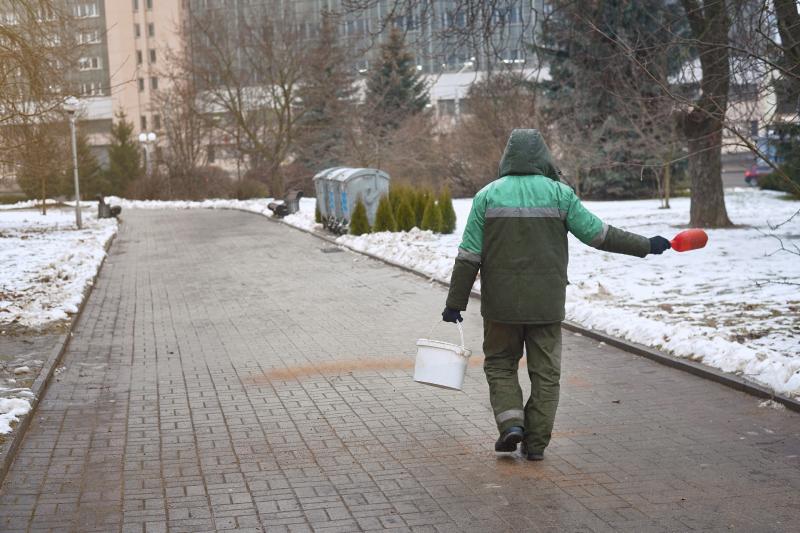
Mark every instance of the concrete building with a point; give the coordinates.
(123, 49)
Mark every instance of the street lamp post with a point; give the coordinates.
(147, 140)
(71, 106)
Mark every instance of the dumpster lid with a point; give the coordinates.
(345, 174)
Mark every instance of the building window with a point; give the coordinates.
(143, 122)
(210, 155)
(136, 5)
(91, 89)
(149, 4)
(154, 83)
(89, 63)
(152, 56)
(137, 32)
(86, 10)
(89, 37)
(151, 29)
(138, 57)
(141, 84)
(157, 122)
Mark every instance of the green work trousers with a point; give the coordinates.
(502, 347)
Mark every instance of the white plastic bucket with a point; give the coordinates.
(440, 363)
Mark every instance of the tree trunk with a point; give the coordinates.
(667, 181)
(710, 25)
(44, 196)
(704, 135)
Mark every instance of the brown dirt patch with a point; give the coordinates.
(339, 368)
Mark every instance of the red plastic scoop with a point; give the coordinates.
(691, 239)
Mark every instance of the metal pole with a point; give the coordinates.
(75, 167)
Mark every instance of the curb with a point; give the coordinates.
(686, 365)
(39, 387)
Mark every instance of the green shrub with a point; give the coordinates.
(317, 215)
(359, 224)
(775, 182)
(384, 218)
(396, 195)
(421, 198)
(448, 213)
(250, 188)
(432, 217)
(405, 216)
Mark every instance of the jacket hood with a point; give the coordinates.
(527, 154)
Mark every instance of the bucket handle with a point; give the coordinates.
(460, 332)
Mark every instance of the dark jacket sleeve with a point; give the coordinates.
(464, 273)
(620, 241)
(589, 229)
(468, 261)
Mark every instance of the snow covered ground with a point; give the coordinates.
(46, 263)
(727, 305)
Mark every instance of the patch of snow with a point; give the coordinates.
(772, 404)
(11, 410)
(46, 263)
(21, 370)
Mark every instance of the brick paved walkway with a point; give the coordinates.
(230, 373)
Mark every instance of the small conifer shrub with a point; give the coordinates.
(420, 201)
(384, 218)
(432, 217)
(359, 224)
(448, 212)
(405, 216)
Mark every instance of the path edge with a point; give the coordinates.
(687, 365)
(42, 381)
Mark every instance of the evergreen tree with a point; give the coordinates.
(420, 201)
(384, 218)
(359, 224)
(395, 89)
(604, 108)
(432, 219)
(448, 212)
(124, 164)
(396, 195)
(327, 102)
(405, 216)
(41, 162)
(92, 178)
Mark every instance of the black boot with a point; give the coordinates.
(509, 439)
(531, 455)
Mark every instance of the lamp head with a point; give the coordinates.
(151, 137)
(142, 137)
(71, 105)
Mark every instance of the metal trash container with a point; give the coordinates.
(339, 188)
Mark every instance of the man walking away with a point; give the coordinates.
(516, 235)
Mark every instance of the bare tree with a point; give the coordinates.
(494, 106)
(186, 131)
(248, 71)
(37, 49)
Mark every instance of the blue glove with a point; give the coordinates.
(451, 315)
(658, 245)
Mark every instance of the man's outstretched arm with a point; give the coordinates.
(589, 229)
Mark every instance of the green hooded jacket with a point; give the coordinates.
(516, 236)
